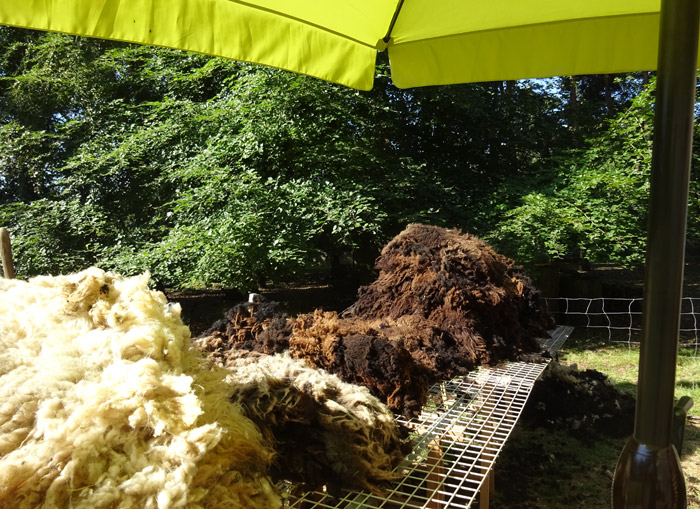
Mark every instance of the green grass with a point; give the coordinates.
(620, 361)
(552, 469)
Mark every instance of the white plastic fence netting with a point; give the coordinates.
(619, 319)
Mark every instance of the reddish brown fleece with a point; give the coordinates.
(443, 304)
(460, 285)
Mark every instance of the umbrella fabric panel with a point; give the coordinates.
(588, 46)
(365, 21)
(424, 19)
(431, 43)
(217, 27)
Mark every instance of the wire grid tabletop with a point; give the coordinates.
(456, 439)
(556, 338)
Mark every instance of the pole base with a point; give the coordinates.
(648, 477)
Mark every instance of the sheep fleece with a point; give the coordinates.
(327, 432)
(104, 404)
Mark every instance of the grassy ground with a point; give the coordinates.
(620, 361)
(554, 469)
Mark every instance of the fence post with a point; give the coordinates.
(8, 267)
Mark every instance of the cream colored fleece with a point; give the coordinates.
(103, 404)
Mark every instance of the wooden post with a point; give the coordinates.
(486, 490)
(8, 268)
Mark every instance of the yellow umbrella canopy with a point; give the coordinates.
(450, 41)
(429, 43)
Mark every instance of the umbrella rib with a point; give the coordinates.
(304, 21)
(393, 22)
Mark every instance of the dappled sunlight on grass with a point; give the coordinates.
(536, 463)
(690, 462)
(620, 361)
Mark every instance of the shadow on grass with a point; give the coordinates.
(691, 441)
(627, 387)
(536, 462)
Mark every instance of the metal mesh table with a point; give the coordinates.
(456, 440)
(556, 338)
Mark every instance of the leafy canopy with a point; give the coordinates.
(207, 171)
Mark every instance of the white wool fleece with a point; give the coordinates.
(103, 404)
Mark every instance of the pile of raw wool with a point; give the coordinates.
(353, 350)
(326, 432)
(585, 402)
(460, 285)
(106, 403)
(444, 303)
(103, 403)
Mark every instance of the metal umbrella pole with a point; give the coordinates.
(648, 474)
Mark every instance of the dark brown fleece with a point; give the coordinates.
(443, 304)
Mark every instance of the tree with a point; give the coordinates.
(596, 201)
(207, 171)
(589, 101)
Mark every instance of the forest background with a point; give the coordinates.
(209, 172)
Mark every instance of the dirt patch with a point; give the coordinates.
(200, 308)
(544, 468)
(585, 403)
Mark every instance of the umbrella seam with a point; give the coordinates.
(393, 22)
(496, 29)
(305, 22)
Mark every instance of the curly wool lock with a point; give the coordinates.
(327, 432)
(104, 404)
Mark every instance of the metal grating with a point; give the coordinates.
(456, 439)
(556, 338)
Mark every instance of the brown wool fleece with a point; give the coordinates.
(443, 304)
(327, 432)
(460, 285)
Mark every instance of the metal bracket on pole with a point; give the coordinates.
(680, 415)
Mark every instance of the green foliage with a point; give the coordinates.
(27, 162)
(54, 237)
(237, 229)
(595, 205)
(208, 171)
(200, 170)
